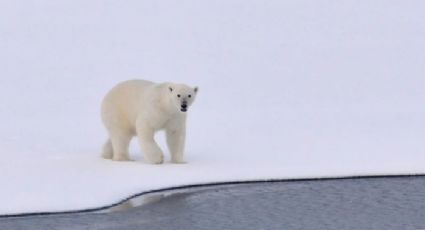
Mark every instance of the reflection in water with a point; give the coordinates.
(159, 196)
(137, 201)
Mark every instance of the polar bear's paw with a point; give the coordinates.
(155, 159)
(107, 155)
(178, 161)
(120, 158)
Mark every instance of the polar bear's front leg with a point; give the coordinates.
(175, 140)
(150, 148)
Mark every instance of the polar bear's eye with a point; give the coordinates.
(189, 95)
(178, 95)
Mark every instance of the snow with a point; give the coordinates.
(288, 89)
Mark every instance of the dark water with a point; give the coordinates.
(373, 203)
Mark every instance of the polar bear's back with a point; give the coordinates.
(130, 88)
(120, 105)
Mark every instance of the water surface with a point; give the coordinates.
(368, 203)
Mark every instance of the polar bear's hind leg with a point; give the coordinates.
(120, 145)
(107, 152)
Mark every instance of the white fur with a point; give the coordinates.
(140, 108)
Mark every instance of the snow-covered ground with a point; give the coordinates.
(288, 89)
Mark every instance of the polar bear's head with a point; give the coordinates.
(182, 96)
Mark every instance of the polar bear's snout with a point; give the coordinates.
(184, 106)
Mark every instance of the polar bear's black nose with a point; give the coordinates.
(184, 107)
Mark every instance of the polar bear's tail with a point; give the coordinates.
(107, 152)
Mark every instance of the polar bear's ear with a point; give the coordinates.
(195, 89)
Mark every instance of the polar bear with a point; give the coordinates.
(140, 108)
